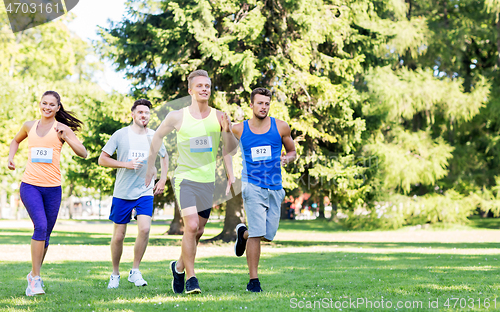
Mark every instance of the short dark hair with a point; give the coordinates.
(261, 91)
(141, 102)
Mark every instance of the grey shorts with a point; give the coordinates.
(263, 209)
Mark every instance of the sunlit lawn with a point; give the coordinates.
(311, 264)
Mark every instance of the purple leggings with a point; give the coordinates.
(43, 205)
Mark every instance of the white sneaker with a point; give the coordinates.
(34, 286)
(29, 277)
(114, 281)
(136, 278)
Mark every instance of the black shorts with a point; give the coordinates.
(189, 193)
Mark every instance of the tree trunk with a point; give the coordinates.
(234, 215)
(177, 226)
(14, 206)
(3, 200)
(498, 38)
(321, 208)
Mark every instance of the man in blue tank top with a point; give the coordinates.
(261, 140)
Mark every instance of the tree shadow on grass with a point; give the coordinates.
(75, 285)
(85, 238)
(298, 243)
(22, 237)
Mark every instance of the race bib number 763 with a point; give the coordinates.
(41, 155)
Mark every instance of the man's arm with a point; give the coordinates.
(228, 138)
(105, 160)
(286, 137)
(160, 185)
(167, 125)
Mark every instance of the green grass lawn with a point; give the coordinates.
(312, 264)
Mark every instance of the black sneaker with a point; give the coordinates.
(178, 281)
(241, 243)
(192, 286)
(254, 286)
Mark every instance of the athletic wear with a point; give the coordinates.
(29, 277)
(34, 286)
(198, 145)
(42, 204)
(114, 281)
(241, 242)
(121, 209)
(129, 145)
(178, 280)
(192, 286)
(135, 277)
(261, 155)
(254, 285)
(190, 194)
(44, 152)
(263, 208)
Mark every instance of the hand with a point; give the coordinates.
(150, 174)
(134, 164)
(230, 181)
(226, 124)
(61, 132)
(283, 159)
(159, 186)
(11, 165)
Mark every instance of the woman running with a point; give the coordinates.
(41, 183)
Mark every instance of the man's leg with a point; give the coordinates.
(189, 240)
(201, 229)
(141, 242)
(253, 255)
(119, 232)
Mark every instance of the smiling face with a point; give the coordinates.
(200, 88)
(260, 106)
(49, 106)
(141, 115)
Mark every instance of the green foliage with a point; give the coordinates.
(450, 207)
(49, 57)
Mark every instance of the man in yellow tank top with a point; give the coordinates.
(199, 128)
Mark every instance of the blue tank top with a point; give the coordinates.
(261, 155)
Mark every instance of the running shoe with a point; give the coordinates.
(192, 286)
(34, 286)
(178, 280)
(241, 243)
(136, 278)
(114, 281)
(254, 286)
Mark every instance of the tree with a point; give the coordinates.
(243, 44)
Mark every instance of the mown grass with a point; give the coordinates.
(319, 273)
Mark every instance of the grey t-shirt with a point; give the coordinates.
(130, 183)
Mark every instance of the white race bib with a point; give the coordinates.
(41, 155)
(200, 144)
(141, 154)
(261, 153)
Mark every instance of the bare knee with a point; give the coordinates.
(144, 231)
(191, 227)
(118, 237)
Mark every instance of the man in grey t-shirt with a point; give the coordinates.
(132, 148)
